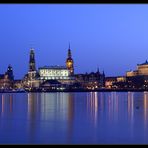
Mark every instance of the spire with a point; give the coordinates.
(32, 66)
(69, 45)
(103, 73)
(98, 70)
(10, 72)
(9, 66)
(69, 51)
(69, 62)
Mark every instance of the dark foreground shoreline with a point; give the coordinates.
(76, 90)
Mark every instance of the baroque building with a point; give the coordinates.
(31, 79)
(63, 74)
(53, 77)
(69, 62)
(93, 80)
(54, 72)
(142, 69)
(32, 65)
(136, 79)
(6, 80)
(35, 79)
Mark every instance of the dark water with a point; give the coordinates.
(74, 118)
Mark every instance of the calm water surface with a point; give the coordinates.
(74, 118)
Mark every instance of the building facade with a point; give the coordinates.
(54, 73)
(7, 79)
(32, 73)
(138, 79)
(93, 80)
(31, 79)
(35, 78)
(142, 69)
(109, 82)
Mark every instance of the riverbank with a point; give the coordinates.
(74, 90)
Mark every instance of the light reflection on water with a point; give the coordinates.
(92, 117)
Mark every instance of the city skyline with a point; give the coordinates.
(112, 37)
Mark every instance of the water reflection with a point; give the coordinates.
(145, 109)
(113, 106)
(70, 117)
(33, 102)
(55, 108)
(94, 117)
(56, 105)
(92, 105)
(130, 100)
(103, 105)
(130, 107)
(6, 103)
(33, 105)
(138, 106)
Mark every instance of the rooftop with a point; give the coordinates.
(145, 63)
(53, 67)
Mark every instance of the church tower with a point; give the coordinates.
(32, 66)
(10, 72)
(69, 62)
(30, 80)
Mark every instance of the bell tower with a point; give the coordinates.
(10, 72)
(32, 66)
(69, 62)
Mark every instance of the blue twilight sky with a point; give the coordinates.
(113, 37)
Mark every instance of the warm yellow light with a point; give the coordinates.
(69, 64)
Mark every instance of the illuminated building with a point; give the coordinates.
(36, 79)
(59, 73)
(93, 80)
(132, 73)
(64, 74)
(69, 62)
(54, 73)
(32, 67)
(31, 78)
(109, 82)
(121, 79)
(18, 84)
(142, 69)
(10, 72)
(6, 80)
(120, 82)
(138, 78)
(51, 85)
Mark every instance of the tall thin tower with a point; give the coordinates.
(69, 62)
(32, 66)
